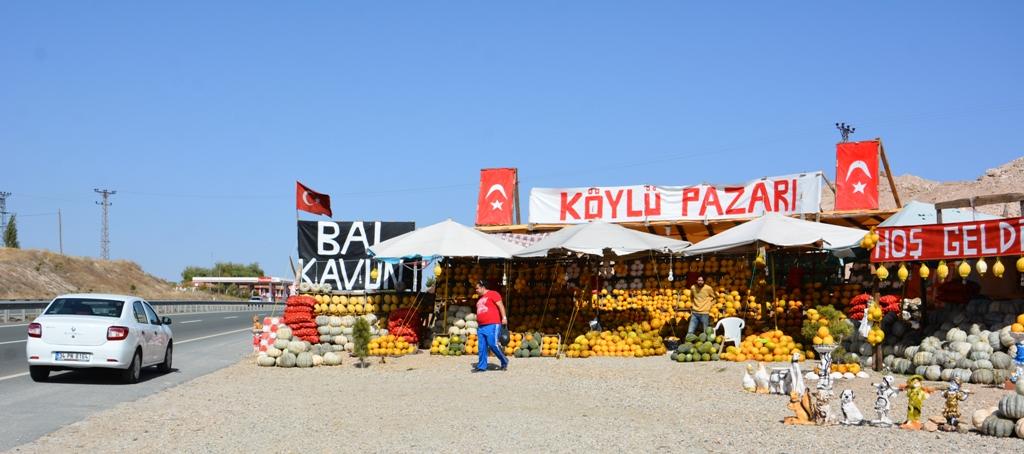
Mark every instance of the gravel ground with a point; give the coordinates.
(421, 403)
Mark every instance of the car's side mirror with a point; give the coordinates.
(165, 320)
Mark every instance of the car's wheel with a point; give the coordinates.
(166, 365)
(134, 370)
(39, 373)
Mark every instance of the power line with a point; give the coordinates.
(105, 237)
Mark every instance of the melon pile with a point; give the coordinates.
(453, 345)
(390, 345)
(460, 321)
(1006, 419)
(703, 347)
(772, 345)
(631, 341)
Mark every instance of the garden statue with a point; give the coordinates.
(851, 414)
(802, 410)
(761, 379)
(823, 407)
(748, 379)
(915, 400)
(954, 395)
(885, 392)
(795, 377)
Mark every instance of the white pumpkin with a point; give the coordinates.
(273, 352)
(318, 360)
(978, 417)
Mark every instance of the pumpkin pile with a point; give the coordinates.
(289, 351)
(1006, 419)
(973, 357)
(298, 315)
(703, 347)
(772, 345)
(330, 332)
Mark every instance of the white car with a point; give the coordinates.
(96, 330)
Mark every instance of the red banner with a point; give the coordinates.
(962, 240)
(497, 198)
(311, 201)
(857, 176)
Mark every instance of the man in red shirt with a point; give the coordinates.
(490, 316)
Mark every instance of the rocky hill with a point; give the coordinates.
(37, 274)
(1008, 177)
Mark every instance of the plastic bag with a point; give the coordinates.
(865, 325)
(503, 336)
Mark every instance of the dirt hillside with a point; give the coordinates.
(36, 274)
(1008, 177)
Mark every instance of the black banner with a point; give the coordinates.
(335, 253)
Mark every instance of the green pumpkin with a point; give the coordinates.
(997, 427)
(982, 377)
(265, 361)
(691, 338)
(1011, 406)
(304, 359)
(287, 359)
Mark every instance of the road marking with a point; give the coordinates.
(213, 335)
(190, 321)
(13, 376)
(11, 326)
(13, 342)
(233, 316)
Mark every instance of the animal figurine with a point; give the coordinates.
(778, 381)
(802, 409)
(885, 392)
(748, 379)
(761, 379)
(823, 407)
(851, 414)
(256, 325)
(795, 378)
(954, 395)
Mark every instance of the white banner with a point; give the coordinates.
(788, 194)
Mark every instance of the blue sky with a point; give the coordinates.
(203, 114)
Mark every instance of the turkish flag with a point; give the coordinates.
(311, 201)
(857, 175)
(497, 197)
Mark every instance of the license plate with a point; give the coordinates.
(71, 356)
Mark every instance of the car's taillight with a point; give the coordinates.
(35, 330)
(116, 333)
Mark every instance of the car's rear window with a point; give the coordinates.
(84, 306)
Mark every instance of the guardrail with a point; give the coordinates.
(25, 311)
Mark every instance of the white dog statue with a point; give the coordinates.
(851, 414)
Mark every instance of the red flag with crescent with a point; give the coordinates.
(311, 201)
(497, 197)
(857, 175)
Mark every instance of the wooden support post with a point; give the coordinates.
(888, 173)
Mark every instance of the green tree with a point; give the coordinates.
(361, 335)
(11, 234)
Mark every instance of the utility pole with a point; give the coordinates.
(3, 210)
(60, 232)
(105, 238)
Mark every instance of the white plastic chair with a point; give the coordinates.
(733, 331)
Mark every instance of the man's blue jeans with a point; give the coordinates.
(704, 319)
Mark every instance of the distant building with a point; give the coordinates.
(267, 288)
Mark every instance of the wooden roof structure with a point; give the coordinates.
(695, 231)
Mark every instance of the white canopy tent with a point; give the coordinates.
(921, 213)
(780, 231)
(444, 239)
(600, 238)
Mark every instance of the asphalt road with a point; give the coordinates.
(203, 343)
